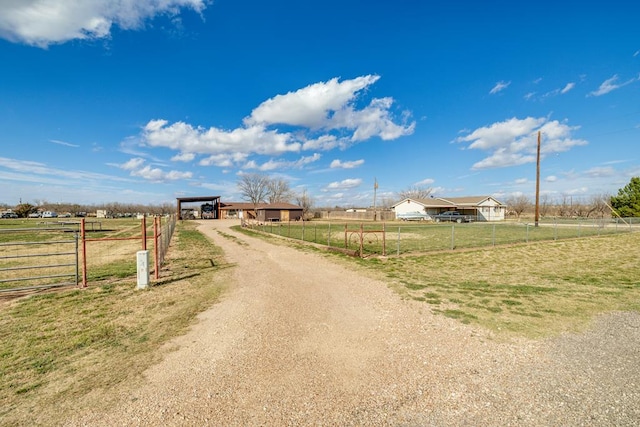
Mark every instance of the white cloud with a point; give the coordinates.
(345, 184)
(283, 164)
(601, 172)
(339, 164)
(183, 157)
(66, 144)
(611, 85)
(551, 178)
(45, 22)
(514, 141)
(136, 167)
(425, 182)
(188, 139)
(329, 106)
(309, 106)
(521, 181)
(500, 86)
(133, 164)
(324, 112)
(567, 88)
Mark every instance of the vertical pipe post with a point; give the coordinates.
(144, 232)
(156, 257)
(384, 239)
(398, 245)
(84, 253)
(453, 237)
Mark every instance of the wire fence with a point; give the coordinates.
(396, 239)
(43, 254)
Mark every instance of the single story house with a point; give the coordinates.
(263, 212)
(484, 208)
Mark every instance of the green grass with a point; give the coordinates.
(58, 346)
(533, 289)
(404, 238)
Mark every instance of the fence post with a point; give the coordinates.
(493, 235)
(398, 245)
(453, 237)
(156, 258)
(77, 236)
(329, 235)
(84, 253)
(361, 238)
(345, 236)
(144, 232)
(384, 239)
(303, 231)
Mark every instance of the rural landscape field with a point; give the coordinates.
(59, 347)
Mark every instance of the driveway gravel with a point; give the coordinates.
(302, 340)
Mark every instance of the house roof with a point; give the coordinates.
(279, 206)
(449, 202)
(250, 206)
(230, 206)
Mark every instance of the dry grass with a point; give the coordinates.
(530, 289)
(56, 347)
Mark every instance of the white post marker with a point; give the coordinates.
(143, 269)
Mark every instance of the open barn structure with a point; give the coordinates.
(208, 208)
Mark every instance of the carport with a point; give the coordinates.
(214, 200)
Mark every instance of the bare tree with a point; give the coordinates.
(305, 201)
(254, 187)
(545, 204)
(565, 207)
(599, 205)
(518, 204)
(415, 192)
(278, 191)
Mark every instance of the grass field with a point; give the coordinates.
(405, 238)
(533, 289)
(56, 347)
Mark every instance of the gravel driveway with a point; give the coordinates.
(300, 340)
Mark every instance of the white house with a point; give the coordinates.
(484, 208)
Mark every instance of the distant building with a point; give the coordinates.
(484, 208)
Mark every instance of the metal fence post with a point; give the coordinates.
(398, 245)
(329, 236)
(453, 237)
(84, 253)
(493, 236)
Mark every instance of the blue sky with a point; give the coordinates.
(143, 101)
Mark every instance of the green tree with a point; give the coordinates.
(627, 202)
(24, 209)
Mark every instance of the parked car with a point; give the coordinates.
(34, 215)
(49, 214)
(413, 216)
(9, 215)
(453, 216)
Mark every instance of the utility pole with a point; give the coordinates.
(538, 183)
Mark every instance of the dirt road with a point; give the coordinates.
(300, 340)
